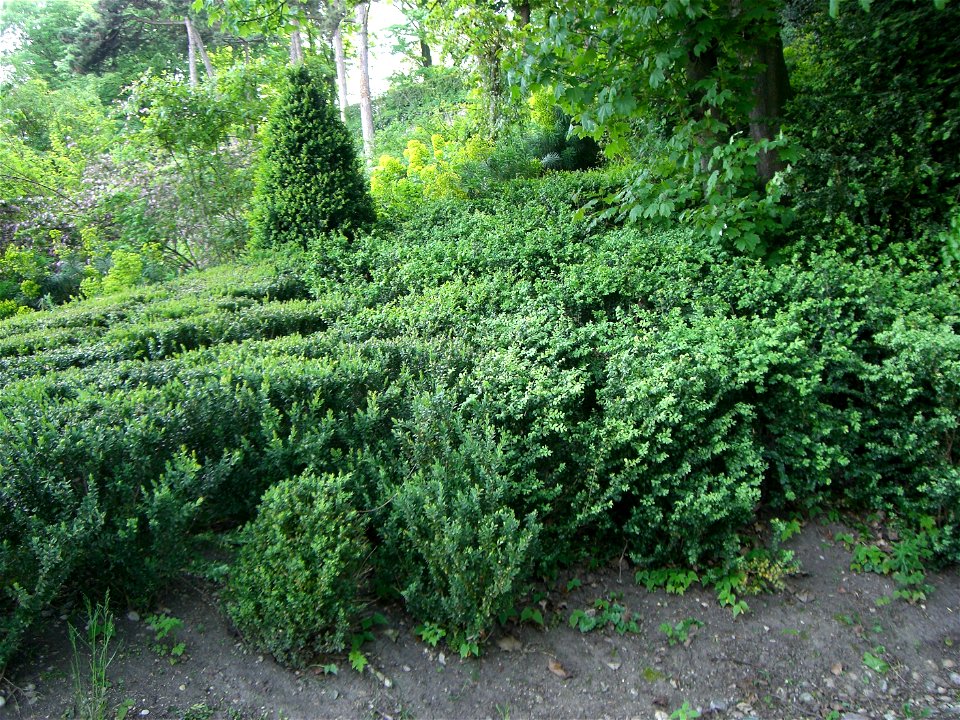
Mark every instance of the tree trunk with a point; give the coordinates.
(494, 86)
(771, 91)
(366, 106)
(341, 62)
(699, 68)
(194, 45)
(426, 58)
(523, 13)
(197, 43)
(771, 85)
(191, 56)
(296, 44)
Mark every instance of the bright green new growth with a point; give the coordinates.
(309, 182)
(295, 587)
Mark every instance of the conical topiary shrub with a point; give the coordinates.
(309, 181)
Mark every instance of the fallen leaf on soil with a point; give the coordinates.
(836, 669)
(509, 643)
(557, 669)
(804, 596)
(614, 664)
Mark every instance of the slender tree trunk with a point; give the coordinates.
(296, 44)
(523, 13)
(191, 56)
(494, 85)
(197, 43)
(426, 57)
(341, 63)
(366, 105)
(194, 45)
(771, 91)
(699, 68)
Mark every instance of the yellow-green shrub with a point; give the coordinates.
(425, 173)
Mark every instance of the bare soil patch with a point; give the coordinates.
(799, 654)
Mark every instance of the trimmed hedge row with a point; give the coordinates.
(493, 390)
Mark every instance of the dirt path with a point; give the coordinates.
(799, 654)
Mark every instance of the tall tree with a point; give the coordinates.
(270, 18)
(195, 46)
(196, 42)
(338, 14)
(482, 35)
(45, 34)
(711, 71)
(366, 104)
(113, 37)
(415, 32)
(296, 41)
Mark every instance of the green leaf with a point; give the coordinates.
(532, 615)
(875, 663)
(358, 660)
(124, 709)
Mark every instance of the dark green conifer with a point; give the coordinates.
(309, 182)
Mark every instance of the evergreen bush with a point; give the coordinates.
(295, 588)
(879, 121)
(510, 390)
(456, 549)
(309, 182)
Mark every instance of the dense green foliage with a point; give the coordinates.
(106, 147)
(420, 105)
(309, 180)
(884, 87)
(452, 542)
(518, 365)
(295, 586)
(695, 67)
(503, 390)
